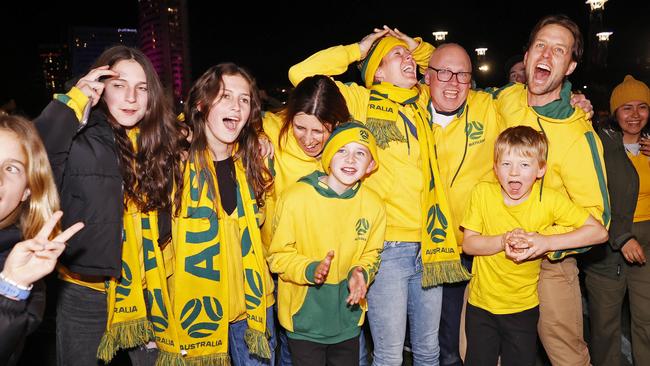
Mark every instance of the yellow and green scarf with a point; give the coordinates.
(201, 288)
(127, 324)
(440, 256)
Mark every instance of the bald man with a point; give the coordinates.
(465, 145)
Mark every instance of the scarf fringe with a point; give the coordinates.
(384, 131)
(123, 335)
(176, 359)
(437, 273)
(258, 343)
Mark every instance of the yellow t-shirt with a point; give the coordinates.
(498, 284)
(642, 166)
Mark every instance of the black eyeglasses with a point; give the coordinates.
(444, 75)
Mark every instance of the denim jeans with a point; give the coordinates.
(80, 323)
(238, 349)
(397, 296)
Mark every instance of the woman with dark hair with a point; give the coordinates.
(619, 266)
(114, 145)
(298, 134)
(221, 293)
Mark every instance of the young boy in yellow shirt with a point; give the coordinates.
(328, 233)
(502, 224)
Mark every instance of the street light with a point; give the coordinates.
(596, 4)
(439, 35)
(604, 36)
(481, 51)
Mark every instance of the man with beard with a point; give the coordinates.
(574, 167)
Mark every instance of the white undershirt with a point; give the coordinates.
(441, 119)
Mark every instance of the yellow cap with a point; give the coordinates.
(376, 54)
(344, 134)
(630, 89)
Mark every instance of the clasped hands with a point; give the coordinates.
(520, 245)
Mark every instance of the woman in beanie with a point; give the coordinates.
(620, 265)
(420, 249)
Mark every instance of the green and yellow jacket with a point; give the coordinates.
(309, 221)
(575, 156)
(465, 150)
(399, 178)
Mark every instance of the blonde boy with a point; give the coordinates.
(328, 233)
(502, 224)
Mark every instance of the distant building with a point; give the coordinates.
(54, 66)
(86, 44)
(164, 39)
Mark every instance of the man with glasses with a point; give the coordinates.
(465, 144)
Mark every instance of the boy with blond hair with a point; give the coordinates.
(502, 224)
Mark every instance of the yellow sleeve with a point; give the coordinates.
(75, 99)
(473, 219)
(283, 257)
(331, 61)
(422, 54)
(370, 258)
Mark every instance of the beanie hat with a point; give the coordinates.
(344, 134)
(630, 89)
(375, 55)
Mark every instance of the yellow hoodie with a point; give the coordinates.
(289, 164)
(575, 156)
(399, 179)
(310, 220)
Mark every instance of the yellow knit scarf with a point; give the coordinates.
(127, 324)
(440, 256)
(201, 305)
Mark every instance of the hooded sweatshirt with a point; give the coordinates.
(575, 154)
(289, 164)
(399, 178)
(310, 220)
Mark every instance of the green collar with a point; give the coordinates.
(324, 190)
(559, 108)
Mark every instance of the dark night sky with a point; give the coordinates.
(268, 40)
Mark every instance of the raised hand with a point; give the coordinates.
(32, 259)
(412, 43)
(90, 84)
(357, 286)
(323, 269)
(366, 43)
(580, 100)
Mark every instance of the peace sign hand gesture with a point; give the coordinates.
(32, 259)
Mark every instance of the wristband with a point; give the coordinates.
(13, 290)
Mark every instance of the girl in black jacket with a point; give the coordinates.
(28, 201)
(113, 142)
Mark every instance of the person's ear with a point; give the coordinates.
(541, 171)
(572, 66)
(371, 166)
(26, 193)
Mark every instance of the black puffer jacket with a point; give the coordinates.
(17, 318)
(86, 171)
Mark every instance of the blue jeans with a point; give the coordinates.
(238, 349)
(397, 296)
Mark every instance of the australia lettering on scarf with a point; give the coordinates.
(201, 344)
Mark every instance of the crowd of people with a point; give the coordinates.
(454, 219)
